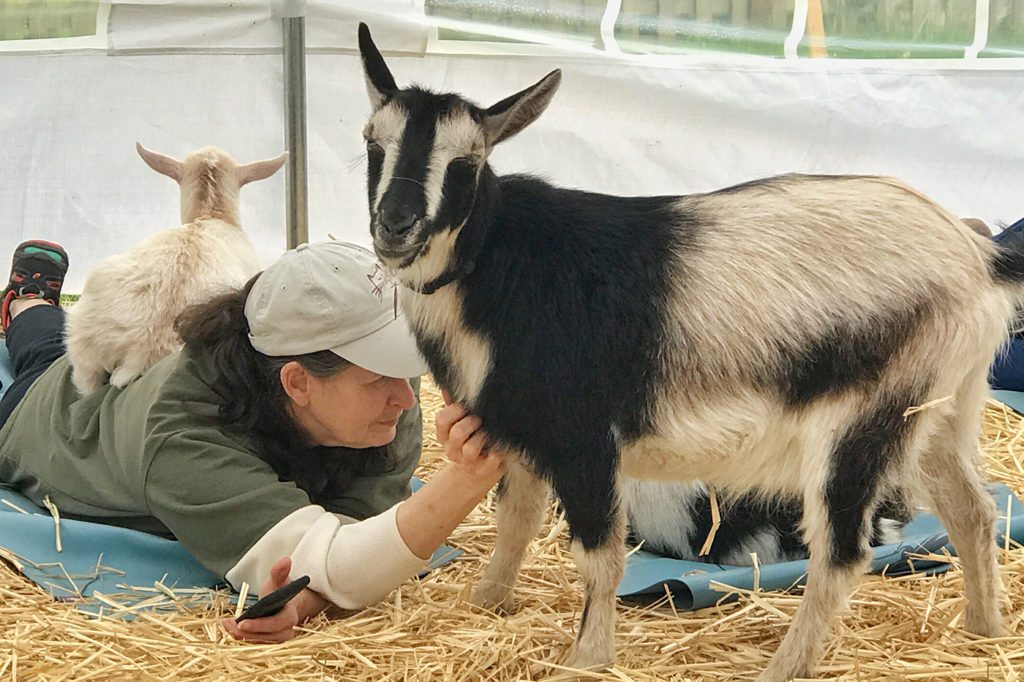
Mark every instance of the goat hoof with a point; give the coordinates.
(580, 659)
(984, 624)
(779, 673)
(493, 596)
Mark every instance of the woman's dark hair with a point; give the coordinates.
(253, 400)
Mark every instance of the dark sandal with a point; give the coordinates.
(37, 271)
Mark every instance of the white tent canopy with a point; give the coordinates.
(180, 75)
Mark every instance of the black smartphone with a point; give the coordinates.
(275, 601)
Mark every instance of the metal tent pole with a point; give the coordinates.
(297, 189)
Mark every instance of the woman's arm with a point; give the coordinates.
(427, 518)
(422, 523)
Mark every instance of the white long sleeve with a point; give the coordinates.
(353, 564)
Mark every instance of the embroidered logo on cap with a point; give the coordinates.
(381, 279)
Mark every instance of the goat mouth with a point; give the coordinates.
(398, 257)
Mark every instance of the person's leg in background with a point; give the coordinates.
(31, 316)
(1010, 231)
(1007, 372)
(35, 339)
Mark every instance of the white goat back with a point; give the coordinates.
(124, 322)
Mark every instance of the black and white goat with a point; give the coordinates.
(766, 337)
(675, 519)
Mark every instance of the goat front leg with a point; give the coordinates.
(140, 357)
(86, 375)
(588, 490)
(521, 501)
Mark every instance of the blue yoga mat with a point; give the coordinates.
(109, 559)
(690, 582)
(5, 368)
(1012, 399)
(94, 557)
(105, 559)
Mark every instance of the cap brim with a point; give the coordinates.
(390, 351)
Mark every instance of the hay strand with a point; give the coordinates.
(13, 506)
(243, 594)
(757, 571)
(55, 513)
(910, 411)
(716, 521)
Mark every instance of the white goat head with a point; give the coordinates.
(210, 180)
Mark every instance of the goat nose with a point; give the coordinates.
(397, 221)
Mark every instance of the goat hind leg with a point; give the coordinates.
(521, 501)
(138, 359)
(839, 503)
(968, 512)
(829, 582)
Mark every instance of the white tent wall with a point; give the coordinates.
(68, 131)
(179, 75)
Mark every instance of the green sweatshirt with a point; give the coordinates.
(154, 457)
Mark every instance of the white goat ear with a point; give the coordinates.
(258, 170)
(380, 84)
(512, 114)
(165, 165)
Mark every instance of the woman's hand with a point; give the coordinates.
(280, 626)
(465, 444)
(427, 518)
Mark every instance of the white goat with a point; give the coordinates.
(124, 322)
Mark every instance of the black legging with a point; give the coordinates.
(35, 339)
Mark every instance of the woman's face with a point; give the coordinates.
(354, 408)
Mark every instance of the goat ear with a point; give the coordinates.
(259, 170)
(380, 84)
(512, 114)
(164, 165)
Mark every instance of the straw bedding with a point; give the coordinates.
(896, 629)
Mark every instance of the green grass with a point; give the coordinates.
(1006, 40)
(865, 38)
(36, 19)
(577, 18)
(854, 29)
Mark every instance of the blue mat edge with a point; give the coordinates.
(689, 583)
(146, 558)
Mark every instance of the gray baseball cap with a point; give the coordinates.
(332, 296)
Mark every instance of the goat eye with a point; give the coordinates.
(373, 146)
(466, 160)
